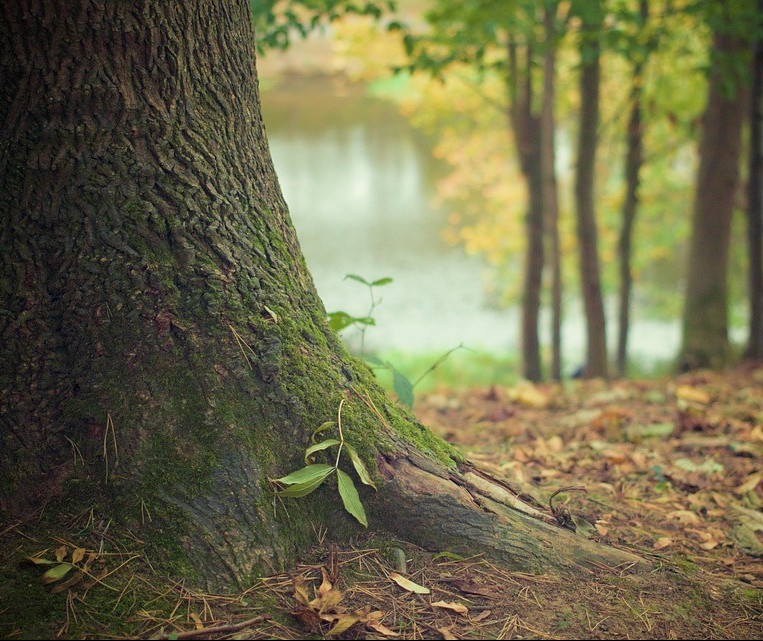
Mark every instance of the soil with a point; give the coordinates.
(671, 468)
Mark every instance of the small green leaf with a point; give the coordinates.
(323, 445)
(403, 388)
(375, 360)
(381, 281)
(298, 490)
(307, 474)
(56, 573)
(357, 278)
(359, 466)
(350, 497)
(339, 321)
(324, 426)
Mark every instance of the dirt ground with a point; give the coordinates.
(673, 468)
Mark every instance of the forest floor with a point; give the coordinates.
(672, 468)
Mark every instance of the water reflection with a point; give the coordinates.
(359, 182)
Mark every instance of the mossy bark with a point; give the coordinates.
(165, 352)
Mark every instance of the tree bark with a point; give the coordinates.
(590, 279)
(634, 158)
(164, 351)
(550, 192)
(705, 326)
(755, 203)
(526, 126)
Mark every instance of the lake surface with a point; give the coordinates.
(360, 181)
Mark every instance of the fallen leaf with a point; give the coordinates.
(482, 615)
(451, 605)
(381, 628)
(78, 555)
(61, 553)
(407, 584)
(689, 393)
(662, 542)
(685, 517)
(530, 396)
(750, 483)
(197, 621)
(447, 633)
(343, 623)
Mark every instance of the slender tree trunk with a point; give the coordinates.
(596, 363)
(634, 158)
(705, 324)
(164, 351)
(755, 203)
(550, 198)
(526, 126)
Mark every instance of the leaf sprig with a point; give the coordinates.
(305, 480)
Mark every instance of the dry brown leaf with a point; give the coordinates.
(300, 590)
(452, 605)
(78, 555)
(407, 584)
(447, 633)
(530, 396)
(197, 621)
(326, 602)
(379, 627)
(685, 517)
(482, 615)
(689, 393)
(325, 586)
(61, 553)
(662, 542)
(601, 528)
(750, 483)
(343, 623)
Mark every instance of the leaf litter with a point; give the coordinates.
(673, 467)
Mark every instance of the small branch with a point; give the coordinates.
(203, 632)
(341, 436)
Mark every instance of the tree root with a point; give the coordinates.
(469, 512)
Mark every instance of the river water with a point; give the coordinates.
(359, 182)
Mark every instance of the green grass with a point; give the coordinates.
(461, 369)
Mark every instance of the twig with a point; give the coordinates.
(203, 632)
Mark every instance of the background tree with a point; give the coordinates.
(165, 352)
(477, 35)
(591, 16)
(634, 159)
(705, 340)
(755, 202)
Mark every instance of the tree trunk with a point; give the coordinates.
(755, 203)
(705, 326)
(550, 192)
(634, 158)
(526, 126)
(596, 363)
(164, 351)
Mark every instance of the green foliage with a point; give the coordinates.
(276, 22)
(309, 478)
(401, 384)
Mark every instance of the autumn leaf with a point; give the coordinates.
(407, 584)
(455, 607)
